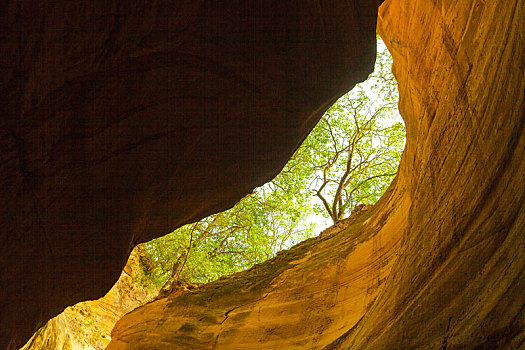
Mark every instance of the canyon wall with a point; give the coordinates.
(460, 277)
(88, 324)
(305, 298)
(122, 120)
(439, 262)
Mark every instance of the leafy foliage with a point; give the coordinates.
(349, 158)
(355, 149)
(263, 223)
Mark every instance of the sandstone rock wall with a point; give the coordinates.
(87, 325)
(123, 120)
(305, 298)
(439, 262)
(460, 277)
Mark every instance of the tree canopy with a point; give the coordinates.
(349, 158)
(355, 149)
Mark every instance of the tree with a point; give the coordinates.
(349, 158)
(264, 222)
(354, 151)
(361, 164)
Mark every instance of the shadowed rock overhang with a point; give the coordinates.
(439, 262)
(123, 120)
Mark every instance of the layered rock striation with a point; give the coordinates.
(304, 298)
(439, 262)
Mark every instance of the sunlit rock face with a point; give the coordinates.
(305, 298)
(439, 262)
(87, 325)
(123, 120)
(460, 276)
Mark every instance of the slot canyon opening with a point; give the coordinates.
(107, 112)
(343, 166)
(341, 169)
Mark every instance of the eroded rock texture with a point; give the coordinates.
(88, 324)
(122, 120)
(439, 262)
(305, 298)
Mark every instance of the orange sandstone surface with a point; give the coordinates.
(439, 262)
